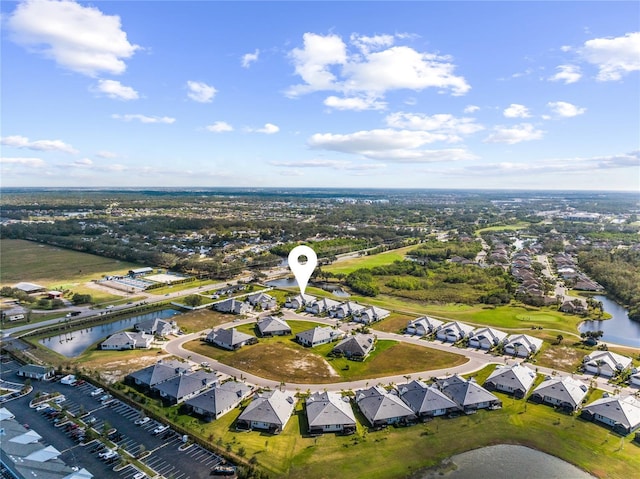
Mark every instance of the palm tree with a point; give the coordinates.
(559, 338)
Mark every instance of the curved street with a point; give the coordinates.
(476, 359)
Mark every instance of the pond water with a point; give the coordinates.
(619, 329)
(74, 343)
(506, 461)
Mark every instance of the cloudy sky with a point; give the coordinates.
(364, 94)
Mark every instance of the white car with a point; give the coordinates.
(160, 429)
(139, 475)
(108, 454)
(59, 399)
(96, 392)
(141, 421)
(42, 407)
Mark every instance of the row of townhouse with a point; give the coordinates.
(335, 309)
(142, 337)
(404, 404)
(521, 345)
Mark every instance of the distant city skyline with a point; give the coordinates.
(459, 95)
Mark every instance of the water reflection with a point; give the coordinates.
(74, 343)
(619, 329)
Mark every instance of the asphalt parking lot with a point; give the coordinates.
(165, 457)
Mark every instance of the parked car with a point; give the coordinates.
(42, 407)
(96, 392)
(139, 475)
(160, 429)
(141, 421)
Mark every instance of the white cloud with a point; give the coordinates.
(219, 127)
(106, 154)
(268, 129)
(371, 68)
(514, 134)
(83, 163)
(115, 89)
(18, 141)
(564, 109)
(389, 144)
(144, 118)
(516, 111)
(80, 39)
(567, 73)
(614, 57)
(354, 103)
(471, 109)
(376, 42)
(201, 92)
(249, 58)
(445, 124)
(28, 162)
(546, 166)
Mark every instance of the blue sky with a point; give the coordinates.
(526, 95)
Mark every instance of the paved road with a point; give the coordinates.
(476, 359)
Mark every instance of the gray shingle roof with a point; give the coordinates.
(220, 398)
(272, 407)
(159, 372)
(465, 393)
(358, 345)
(378, 405)
(328, 408)
(625, 411)
(515, 376)
(423, 399)
(567, 390)
(272, 325)
(317, 334)
(185, 384)
(228, 336)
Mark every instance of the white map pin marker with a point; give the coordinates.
(302, 272)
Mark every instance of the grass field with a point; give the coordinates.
(518, 226)
(380, 259)
(50, 266)
(398, 452)
(282, 359)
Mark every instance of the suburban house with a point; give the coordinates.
(382, 408)
(635, 379)
(515, 379)
(156, 327)
(566, 393)
(184, 386)
(423, 326)
(268, 411)
(355, 347)
(348, 308)
(230, 339)
(37, 372)
(486, 338)
(322, 305)
(467, 394)
(219, 400)
(454, 331)
(522, 345)
(622, 414)
(573, 307)
(329, 412)
(318, 335)
(232, 306)
(297, 302)
(426, 401)
(127, 340)
(606, 363)
(262, 300)
(273, 326)
(157, 373)
(370, 315)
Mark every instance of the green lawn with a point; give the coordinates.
(52, 267)
(397, 452)
(518, 226)
(282, 359)
(380, 259)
